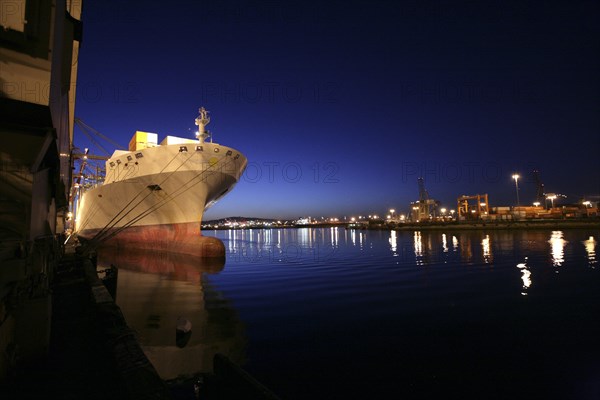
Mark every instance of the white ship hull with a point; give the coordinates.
(156, 197)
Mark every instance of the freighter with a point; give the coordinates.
(154, 195)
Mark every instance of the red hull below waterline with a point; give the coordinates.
(172, 238)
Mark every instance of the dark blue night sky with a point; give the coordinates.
(341, 106)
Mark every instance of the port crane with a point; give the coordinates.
(540, 196)
(425, 208)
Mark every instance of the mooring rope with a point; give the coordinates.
(120, 217)
(105, 234)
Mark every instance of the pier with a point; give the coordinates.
(92, 353)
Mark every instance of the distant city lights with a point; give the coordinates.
(480, 211)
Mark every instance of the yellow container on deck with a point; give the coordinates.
(142, 140)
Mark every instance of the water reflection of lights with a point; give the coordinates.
(334, 237)
(230, 240)
(525, 276)
(444, 243)
(393, 242)
(418, 242)
(557, 248)
(454, 243)
(361, 237)
(268, 236)
(305, 236)
(487, 250)
(590, 249)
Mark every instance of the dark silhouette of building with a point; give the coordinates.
(39, 44)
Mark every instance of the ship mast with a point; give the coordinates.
(202, 120)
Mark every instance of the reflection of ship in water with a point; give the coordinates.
(181, 320)
(182, 267)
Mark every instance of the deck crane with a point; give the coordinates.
(91, 132)
(80, 179)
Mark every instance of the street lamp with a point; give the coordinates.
(552, 198)
(516, 178)
(392, 212)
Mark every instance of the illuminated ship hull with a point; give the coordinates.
(155, 197)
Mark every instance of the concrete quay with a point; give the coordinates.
(93, 354)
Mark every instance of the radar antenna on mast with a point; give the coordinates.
(203, 120)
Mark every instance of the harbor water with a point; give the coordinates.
(335, 313)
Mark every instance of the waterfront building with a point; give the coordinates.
(39, 44)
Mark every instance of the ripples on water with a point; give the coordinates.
(336, 313)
